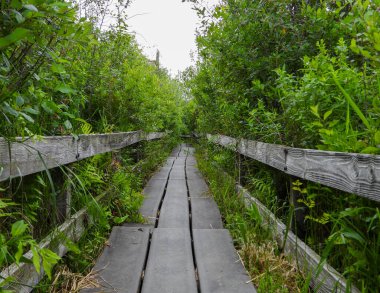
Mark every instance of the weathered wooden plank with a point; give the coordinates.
(177, 172)
(198, 188)
(27, 156)
(349, 172)
(25, 275)
(153, 193)
(170, 265)
(162, 173)
(191, 161)
(205, 214)
(120, 266)
(175, 208)
(192, 173)
(328, 280)
(92, 144)
(219, 266)
(23, 158)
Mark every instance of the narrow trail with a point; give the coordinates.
(183, 246)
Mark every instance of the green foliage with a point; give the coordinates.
(306, 79)
(63, 73)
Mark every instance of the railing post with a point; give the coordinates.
(64, 200)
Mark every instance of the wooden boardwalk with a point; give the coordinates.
(181, 248)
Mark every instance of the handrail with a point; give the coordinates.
(25, 156)
(350, 172)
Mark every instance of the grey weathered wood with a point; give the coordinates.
(191, 161)
(179, 162)
(177, 172)
(153, 193)
(175, 208)
(25, 274)
(193, 173)
(328, 280)
(120, 266)
(219, 266)
(170, 265)
(205, 214)
(162, 173)
(64, 201)
(198, 188)
(349, 172)
(27, 156)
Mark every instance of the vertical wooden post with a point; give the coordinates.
(64, 201)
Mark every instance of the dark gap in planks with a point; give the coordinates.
(155, 225)
(191, 230)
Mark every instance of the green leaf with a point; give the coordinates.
(31, 111)
(19, 253)
(17, 35)
(351, 101)
(7, 108)
(58, 68)
(64, 89)
(50, 107)
(18, 228)
(20, 101)
(27, 117)
(49, 259)
(36, 259)
(377, 137)
(18, 16)
(314, 110)
(68, 124)
(16, 4)
(31, 7)
(327, 114)
(371, 150)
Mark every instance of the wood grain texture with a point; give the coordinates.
(170, 266)
(328, 280)
(350, 172)
(27, 156)
(120, 266)
(219, 266)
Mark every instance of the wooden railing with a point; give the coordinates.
(349, 172)
(25, 156)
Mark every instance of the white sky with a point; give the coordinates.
(166, 25)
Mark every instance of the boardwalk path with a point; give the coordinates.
(182, 248)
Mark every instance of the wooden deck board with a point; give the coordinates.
(205, 214)
(219, 268)
(175, 209)
(120, 266)
(170, 265)
(152, 197)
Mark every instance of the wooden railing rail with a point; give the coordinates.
(350, 172)
(25, 156)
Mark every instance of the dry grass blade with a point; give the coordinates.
(261, 260)
(68, 282)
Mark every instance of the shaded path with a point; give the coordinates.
(182, 248)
